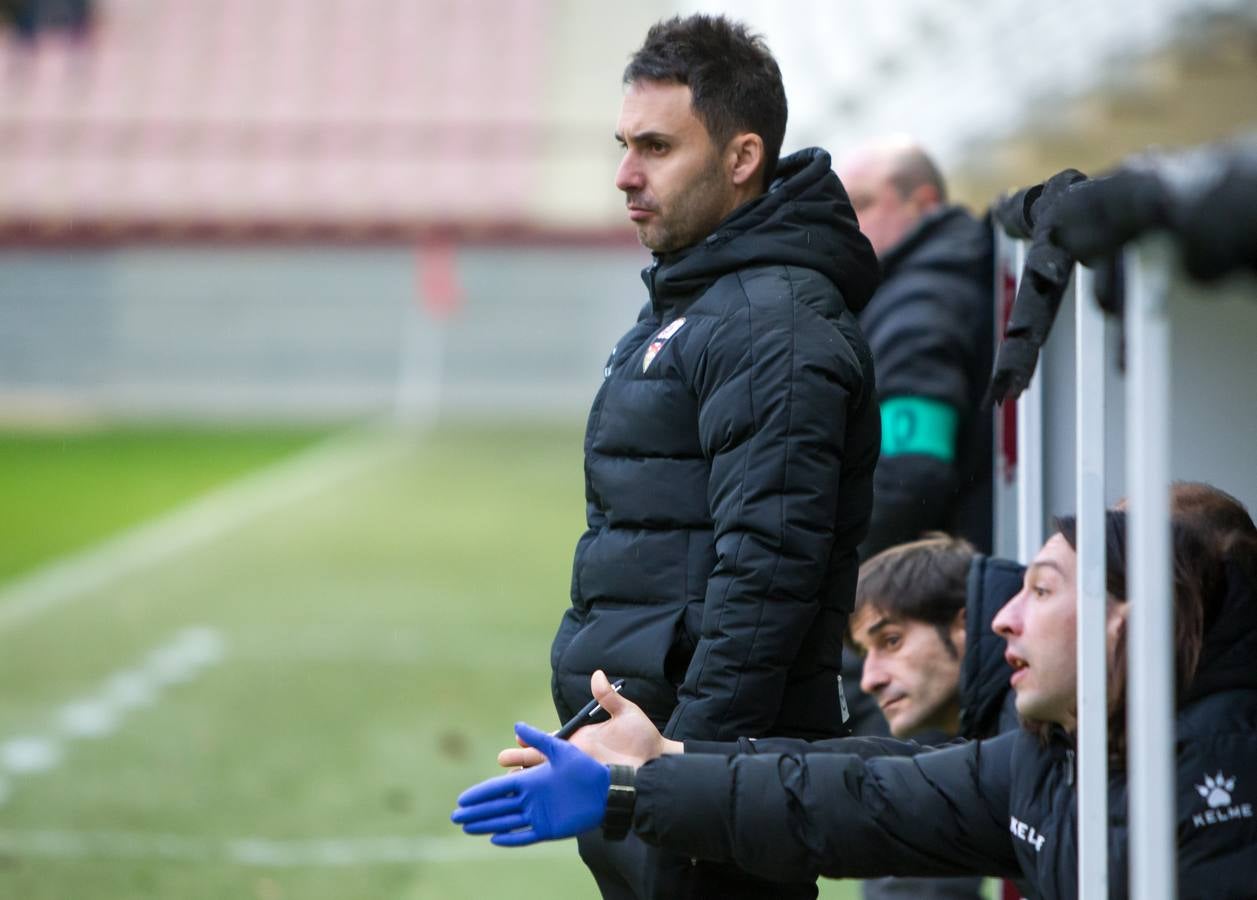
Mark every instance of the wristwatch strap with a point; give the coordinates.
(621, 798)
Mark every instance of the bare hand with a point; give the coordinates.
(629, 738)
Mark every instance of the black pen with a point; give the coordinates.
(586, 715)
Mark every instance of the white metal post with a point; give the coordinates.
(1150, 672)
(1004, 471)
(1089, 378)
(1029, 454)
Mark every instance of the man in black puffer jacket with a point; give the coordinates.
(931, 329)
(729, 453)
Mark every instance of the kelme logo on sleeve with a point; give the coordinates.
(1026, 832)
(1217, 791)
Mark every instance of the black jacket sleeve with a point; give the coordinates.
(923, 347)
(913, 495)
(773, 391)
(782, 816)
(863, 747)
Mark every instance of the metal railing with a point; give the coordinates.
(1150, 716)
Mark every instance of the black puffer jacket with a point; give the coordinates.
(931, 329)
(729, 461)
(1004, 807)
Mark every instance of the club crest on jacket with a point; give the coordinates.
(660, 339)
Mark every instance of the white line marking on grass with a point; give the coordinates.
(182, 659)
(102, 712)
(106, 845)
(196, 523)
(24, 755)
(88, 719)
(262, 852)
(128, 690)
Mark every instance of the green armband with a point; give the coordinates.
(918, 426)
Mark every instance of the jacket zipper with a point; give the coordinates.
(650, 286)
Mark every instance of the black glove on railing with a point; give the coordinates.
(1013, 212)
(1205, 198)
(1043, 282)
(1097, 217)
(1215, 217)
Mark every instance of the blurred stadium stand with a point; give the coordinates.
(333, 117)
(212, 209)
(378, 116)
(336, 208)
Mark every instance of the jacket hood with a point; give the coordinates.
(946, 239)
(804, 219)
(1230, 639)
(984, 673)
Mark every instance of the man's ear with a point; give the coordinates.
(924, 197)
(745, 156)
(957, 631)
(1115, 616)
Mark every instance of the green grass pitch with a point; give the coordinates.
(375, 638)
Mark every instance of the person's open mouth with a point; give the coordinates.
(1019, 666)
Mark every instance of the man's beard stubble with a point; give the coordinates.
(694, 213)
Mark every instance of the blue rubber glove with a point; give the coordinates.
(557, 799)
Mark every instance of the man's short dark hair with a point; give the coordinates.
(914, 168)
(922, 581)
(734, 81)
(1211, 511)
